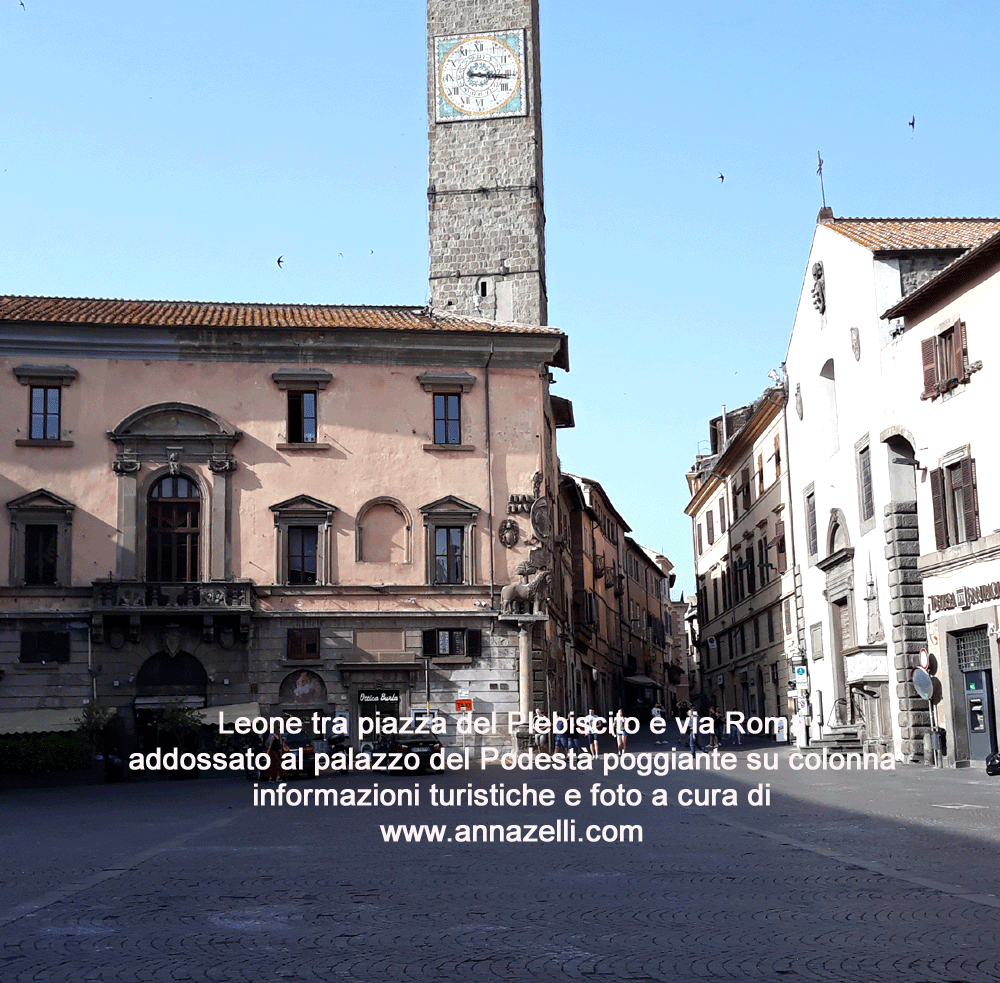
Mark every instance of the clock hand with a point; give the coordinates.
(487, 75)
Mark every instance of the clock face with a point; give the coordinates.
(480, 76)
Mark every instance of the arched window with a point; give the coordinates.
(173, 516)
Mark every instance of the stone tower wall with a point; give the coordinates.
(485, 195)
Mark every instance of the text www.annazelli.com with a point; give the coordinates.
(561, 831)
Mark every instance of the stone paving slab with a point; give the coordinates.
(857, 877)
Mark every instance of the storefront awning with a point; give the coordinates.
(39, 721)
(641, 681)
(229, 712)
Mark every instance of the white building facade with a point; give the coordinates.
(855, 484)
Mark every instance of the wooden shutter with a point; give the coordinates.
(940, 511)
(779, 542)
(961, 351)
(701, 545)
(928, 355)
(970, 497)
(745, 479)
(710, 527)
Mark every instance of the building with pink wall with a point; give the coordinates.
(276, 507)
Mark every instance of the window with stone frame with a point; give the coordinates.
(866, 496)
(945, 360)
(45, 385)
(955, 500)
(304, 527)
(44, 646)
(722, 514)
(447, 390)
(709, 527)
(302, 386)
(302, 644)
(812, 530)
(40, 539)
(459, 643)
(450, 525)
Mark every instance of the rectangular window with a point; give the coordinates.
(302, 417)
(40, 554)
(722, 513)
(447, 418)
(44, 646)
(302, 548)
(866, 498)
(955, 501)
(45, 410)
(303, 643)
(780, 551)
(777, 456)
(816, 641)
(945, 358)
(710, 527)
(770, 624)
(760, 474)
(762, 562)
(751, 569)
(701, 544)
(756, 632)
(715, 595)
(745, 488)
(812, 535)
(788, 616)
(448, 560)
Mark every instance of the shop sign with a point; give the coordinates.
(965, 597)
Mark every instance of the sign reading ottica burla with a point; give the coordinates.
(965, 597)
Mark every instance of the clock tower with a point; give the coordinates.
(487, 216)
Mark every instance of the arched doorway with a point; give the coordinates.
(166, 680)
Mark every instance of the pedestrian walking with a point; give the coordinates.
(693, 744)
(591, 721)
(618, 724)
(735, 732)
(715, 740)
(275, 748)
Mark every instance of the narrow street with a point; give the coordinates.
(845, 876)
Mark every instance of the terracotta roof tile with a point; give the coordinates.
(166, 313)
(880, 234)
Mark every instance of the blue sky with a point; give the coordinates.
(174, 150)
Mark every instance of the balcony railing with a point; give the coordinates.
(130, 596)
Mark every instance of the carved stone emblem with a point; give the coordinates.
(798, 399)
(221, 465)
(856, 344)
(541, 520)
(819, 287)
(123, 467)
(509, 533)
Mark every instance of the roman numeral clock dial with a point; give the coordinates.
(480, 76)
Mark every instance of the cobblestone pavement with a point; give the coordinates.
(844, 877)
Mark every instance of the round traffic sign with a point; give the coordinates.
(922, 683)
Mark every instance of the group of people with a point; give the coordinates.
(586, 737)
(714, 737)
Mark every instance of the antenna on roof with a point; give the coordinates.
(819, 171)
